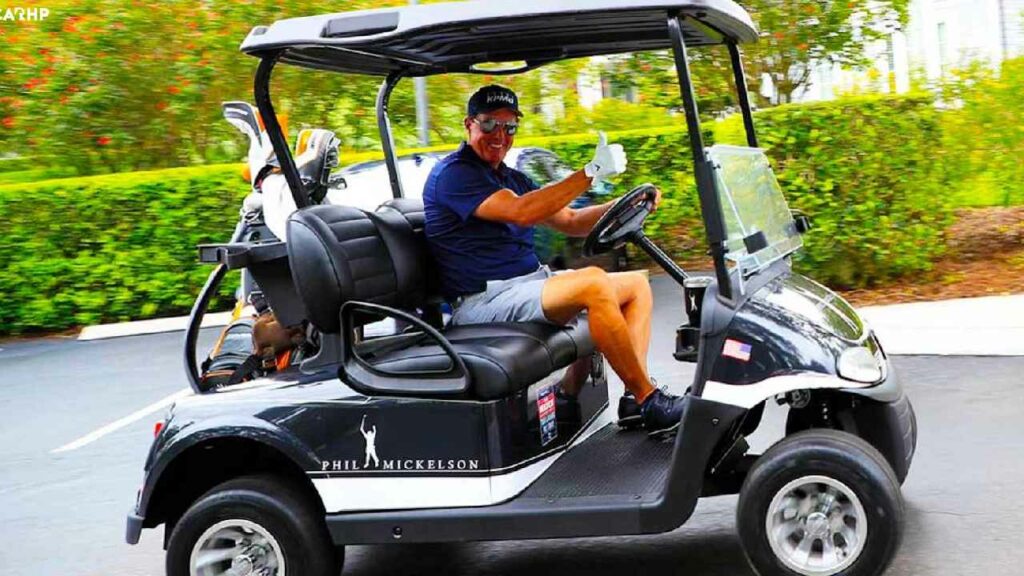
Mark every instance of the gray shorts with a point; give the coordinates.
(514, 300)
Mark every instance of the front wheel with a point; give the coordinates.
(252, 525)
(820, 503)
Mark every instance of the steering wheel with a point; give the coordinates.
(624, 218)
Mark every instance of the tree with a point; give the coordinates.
(795, 36)
(983, 132)
(108, 85)
(111, 85)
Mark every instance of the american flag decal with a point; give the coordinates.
(736, 349)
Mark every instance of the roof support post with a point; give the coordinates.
(743, 93)
(386, 138)
(261, 91)
(709, 204)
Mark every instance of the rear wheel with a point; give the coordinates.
(820, 503)
(252, 525)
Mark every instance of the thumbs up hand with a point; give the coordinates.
(609, 160)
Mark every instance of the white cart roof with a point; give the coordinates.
(454, 37)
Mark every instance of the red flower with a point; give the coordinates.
(63, 99)
(7, 122)
(161, 106)
(174, 90)
(103, 140)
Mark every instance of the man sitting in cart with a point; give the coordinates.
(480, 219)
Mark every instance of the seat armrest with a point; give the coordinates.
(364, 378)
(237, 255)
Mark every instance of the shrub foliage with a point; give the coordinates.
(870, 173)
(78, 251)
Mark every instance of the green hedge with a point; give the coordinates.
(871, 174)
(79, 251)
(16, 164)
(34, 175)
(84, 250)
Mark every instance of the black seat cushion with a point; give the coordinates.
(501, 358)
(563, 344)
(340, 254)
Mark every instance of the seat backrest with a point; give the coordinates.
(412, 210)
(340, 253)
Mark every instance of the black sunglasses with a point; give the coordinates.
(488, 125)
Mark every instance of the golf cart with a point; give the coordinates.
(503, 431)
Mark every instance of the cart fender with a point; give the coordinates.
(234, 428)
(750, 395)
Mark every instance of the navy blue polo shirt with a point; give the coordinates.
(470, 251)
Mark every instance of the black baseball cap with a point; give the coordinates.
(491, 98)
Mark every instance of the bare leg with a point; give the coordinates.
(637, 305)
(592, 289)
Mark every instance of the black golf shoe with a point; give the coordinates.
(629, 412)
(661, 414)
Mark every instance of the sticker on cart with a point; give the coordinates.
(736, 349)
(546, 415)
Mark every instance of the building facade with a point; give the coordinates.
(941, 35)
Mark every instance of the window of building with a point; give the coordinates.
(943, 57)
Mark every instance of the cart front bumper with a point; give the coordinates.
(134, 528)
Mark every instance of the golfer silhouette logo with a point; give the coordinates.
(371, 447)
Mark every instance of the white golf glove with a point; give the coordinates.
(608, 160)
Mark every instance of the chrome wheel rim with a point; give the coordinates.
(816, 526)
(236, 548)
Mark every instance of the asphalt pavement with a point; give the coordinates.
(62, 512)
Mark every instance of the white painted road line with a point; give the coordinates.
(113, 426)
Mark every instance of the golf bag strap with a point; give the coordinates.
(245, 369)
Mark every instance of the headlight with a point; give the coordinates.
(860, 365)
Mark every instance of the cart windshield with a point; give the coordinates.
(758, 224)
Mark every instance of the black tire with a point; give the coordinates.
(272, 504)
(874, 430)
(838, 456)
